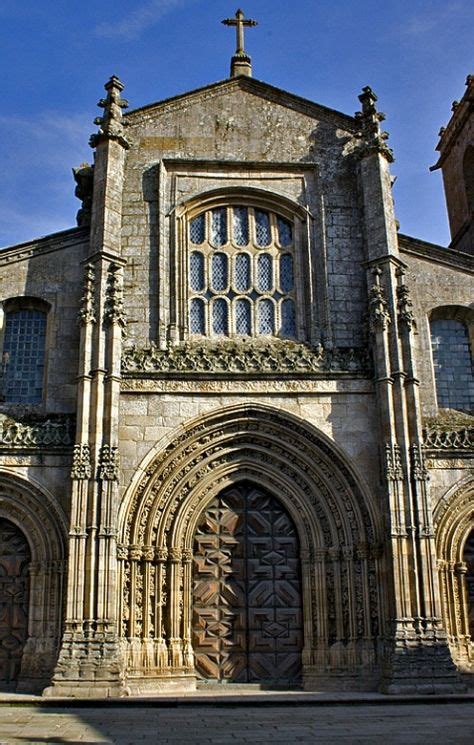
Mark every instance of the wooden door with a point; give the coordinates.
(14, 590)
(247, 614)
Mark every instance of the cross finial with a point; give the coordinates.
(241, 63)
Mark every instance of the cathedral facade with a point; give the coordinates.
(236, 444)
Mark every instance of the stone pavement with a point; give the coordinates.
(243, 719)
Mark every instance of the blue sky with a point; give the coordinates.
(56, 56)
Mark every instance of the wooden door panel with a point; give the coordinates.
(247, 617)
(14, 595)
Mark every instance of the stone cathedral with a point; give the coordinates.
(236, 436)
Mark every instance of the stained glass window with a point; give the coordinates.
(288, 325)
(264, 273)
(262, 228)
(220, 317)
(196, 316)
(23, 356)
(266, 317)
(286, 273)
(197, 229)
(243, 319)
(244, 292)
(219, 226)
(240, 226)
(196, 271)
(242, 272)
(285, 232)
(219, 272)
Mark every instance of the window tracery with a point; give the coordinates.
(241, 273)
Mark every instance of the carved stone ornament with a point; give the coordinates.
(253, 356)
(373, 139)
(393, 463)
(54, 431)
(405, 313)
(438, 438)
(108, 463)
(81, 462)
(111, 124)
(379, 317)
(84, 178)
(418, 467)
(87, 308)
(114, 311)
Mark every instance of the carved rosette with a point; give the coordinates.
(108, 463)
(81, 462)
(87, 309)
(373, 139)
(245, 357)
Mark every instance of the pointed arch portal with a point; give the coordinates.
(250, 452)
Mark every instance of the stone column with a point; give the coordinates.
(417, 657)
(90, 661)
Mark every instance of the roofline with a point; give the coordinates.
(436, 253)
(258, 85)
(44, 244)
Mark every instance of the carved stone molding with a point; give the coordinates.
(393, 463)
(114, 311)
(438, 438)
(379, 317)
(81, 462)
(245, 357)
(87, 310)
(51, 432)
(108, 463)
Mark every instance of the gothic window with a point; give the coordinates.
(452, 364)
(23, 356)
(241, 273)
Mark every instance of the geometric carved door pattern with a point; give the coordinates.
(15, 557)
(247, 609)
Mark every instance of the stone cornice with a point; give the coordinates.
(40, 246)
(436, 254)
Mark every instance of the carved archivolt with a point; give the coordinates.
(338, 525)
(44, 525)
(454, 521)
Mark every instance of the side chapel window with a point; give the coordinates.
(241, 273)
(23, 355)
(452, 362)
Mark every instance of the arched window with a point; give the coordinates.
(23, 351)
(452, 363)
(241, 273)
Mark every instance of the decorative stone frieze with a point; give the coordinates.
(108, 463)
(81, 462)
(51, 432)
(246, 357)
(438, 438)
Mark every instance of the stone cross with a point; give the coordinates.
(239, 22)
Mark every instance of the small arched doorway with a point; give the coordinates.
(468, 558)
(247, 602)
(15, 557)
